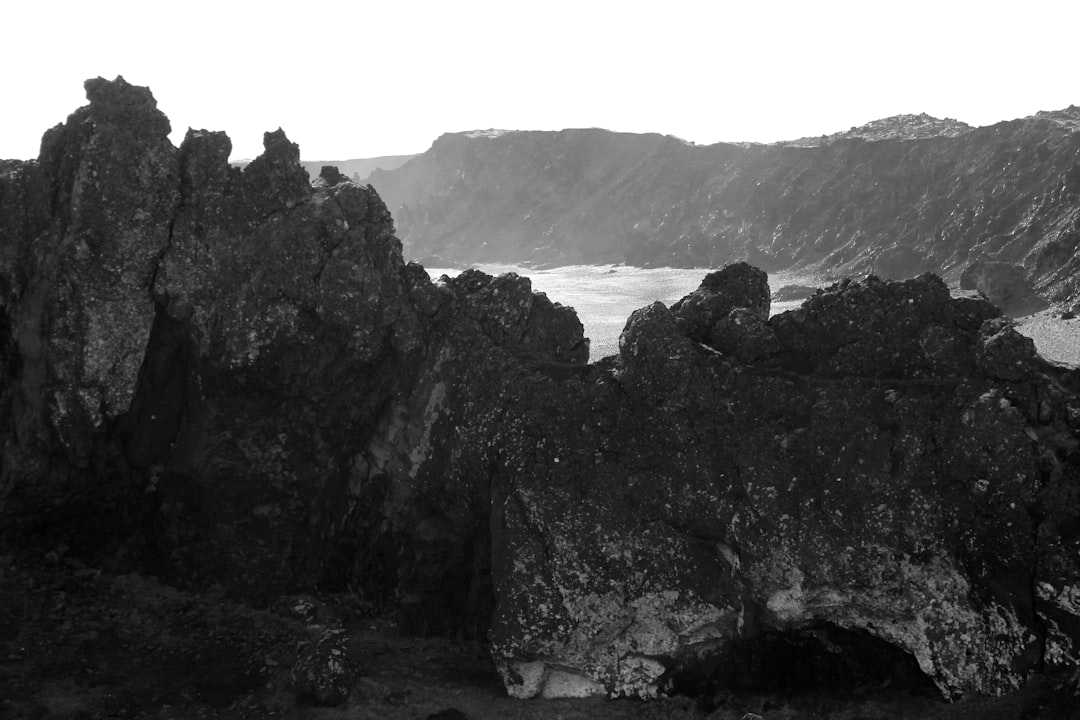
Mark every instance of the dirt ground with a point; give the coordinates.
(80, 644)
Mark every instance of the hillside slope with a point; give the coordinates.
(897, 196)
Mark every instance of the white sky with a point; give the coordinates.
(359, 79)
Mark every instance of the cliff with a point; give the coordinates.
(898, 197)
(231, 379)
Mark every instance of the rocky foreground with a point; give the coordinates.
(230, 380)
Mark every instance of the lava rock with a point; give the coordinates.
(896, 498)
(1004, 353)
(874, 328)
(745, 335)
(738, 285)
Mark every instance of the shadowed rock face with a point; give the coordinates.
(229, 376)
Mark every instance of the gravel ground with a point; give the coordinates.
(1056, 340)
(77, 643)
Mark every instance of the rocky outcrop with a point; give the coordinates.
(231, 377)
(897, 197)
(884, 476)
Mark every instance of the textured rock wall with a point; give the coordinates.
(232, 377)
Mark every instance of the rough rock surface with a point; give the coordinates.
(885, 477)
(897, 197)
(228, 377)
(736, 286)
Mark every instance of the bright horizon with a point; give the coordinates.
(356, 80)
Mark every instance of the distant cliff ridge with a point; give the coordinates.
(897, 197)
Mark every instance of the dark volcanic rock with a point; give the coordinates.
(745, 335)
(908, 329)
(842, 495)
(1004, 353)
(230, 377)
(226, 375)
(736, 286)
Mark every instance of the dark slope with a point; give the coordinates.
(897, 196)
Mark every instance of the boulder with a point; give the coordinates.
(745, 335)
(738, 285)
(1005, 285)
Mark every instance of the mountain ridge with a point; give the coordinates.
(896, 197)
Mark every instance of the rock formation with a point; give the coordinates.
(892, 470)
(227, 375)
(232, 377)
(897, 197)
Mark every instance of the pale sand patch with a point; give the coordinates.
(1056, 340)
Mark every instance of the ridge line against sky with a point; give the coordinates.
(365, 79)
